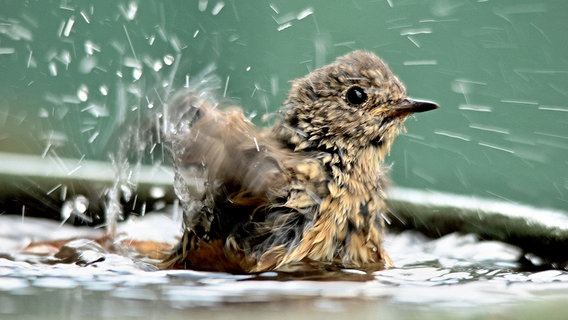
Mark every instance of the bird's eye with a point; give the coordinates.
(355, 95)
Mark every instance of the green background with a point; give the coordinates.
(73, 72)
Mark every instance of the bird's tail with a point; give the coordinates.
(177, 257)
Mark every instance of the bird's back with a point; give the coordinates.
(258, 195)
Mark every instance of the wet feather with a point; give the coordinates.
(307, 192)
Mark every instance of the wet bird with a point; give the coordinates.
(307, 193)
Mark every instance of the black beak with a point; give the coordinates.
(410, 105)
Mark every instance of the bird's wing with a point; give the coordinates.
(241, 166)
(230, 150)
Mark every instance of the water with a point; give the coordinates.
(456, 276)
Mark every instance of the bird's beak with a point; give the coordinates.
(410, 105)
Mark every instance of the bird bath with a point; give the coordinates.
(453, 274)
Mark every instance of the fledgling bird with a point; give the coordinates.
(307, 193)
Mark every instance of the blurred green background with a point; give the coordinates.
(73, 72)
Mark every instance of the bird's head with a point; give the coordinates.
(355, 102)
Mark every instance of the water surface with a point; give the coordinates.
(454, 277)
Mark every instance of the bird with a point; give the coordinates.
(307, 193)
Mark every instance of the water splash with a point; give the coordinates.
(75, 208)
(217, 8)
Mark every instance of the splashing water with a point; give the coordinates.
(457, 274)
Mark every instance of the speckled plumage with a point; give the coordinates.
(309, 192)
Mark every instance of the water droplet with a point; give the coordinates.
(85, 17)
(305, 13)
(65, 57)
(93, 137)
(7, 51)
(477, 108)
(75, 207)
(136, 73)
(87, 64)
(168, 59)
(69, 26)
(157, 192)
(284, 26)
(52, 69)
(43, 113)
(217, 8)
(91, 47)
(233, 37)
(181, 189)
(157, 65)
(16, 31)
(202, 5)
(132, 62)
(97, 111)
(83, 93)
(130, 12)
(274, 8)
(126, 192)
(274, 84)
(420, 62)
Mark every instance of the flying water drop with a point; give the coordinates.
(169, 59)
(75, 207)
(136, 73)
(217, 8)
(83, 93)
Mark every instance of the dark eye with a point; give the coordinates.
(355, 95)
